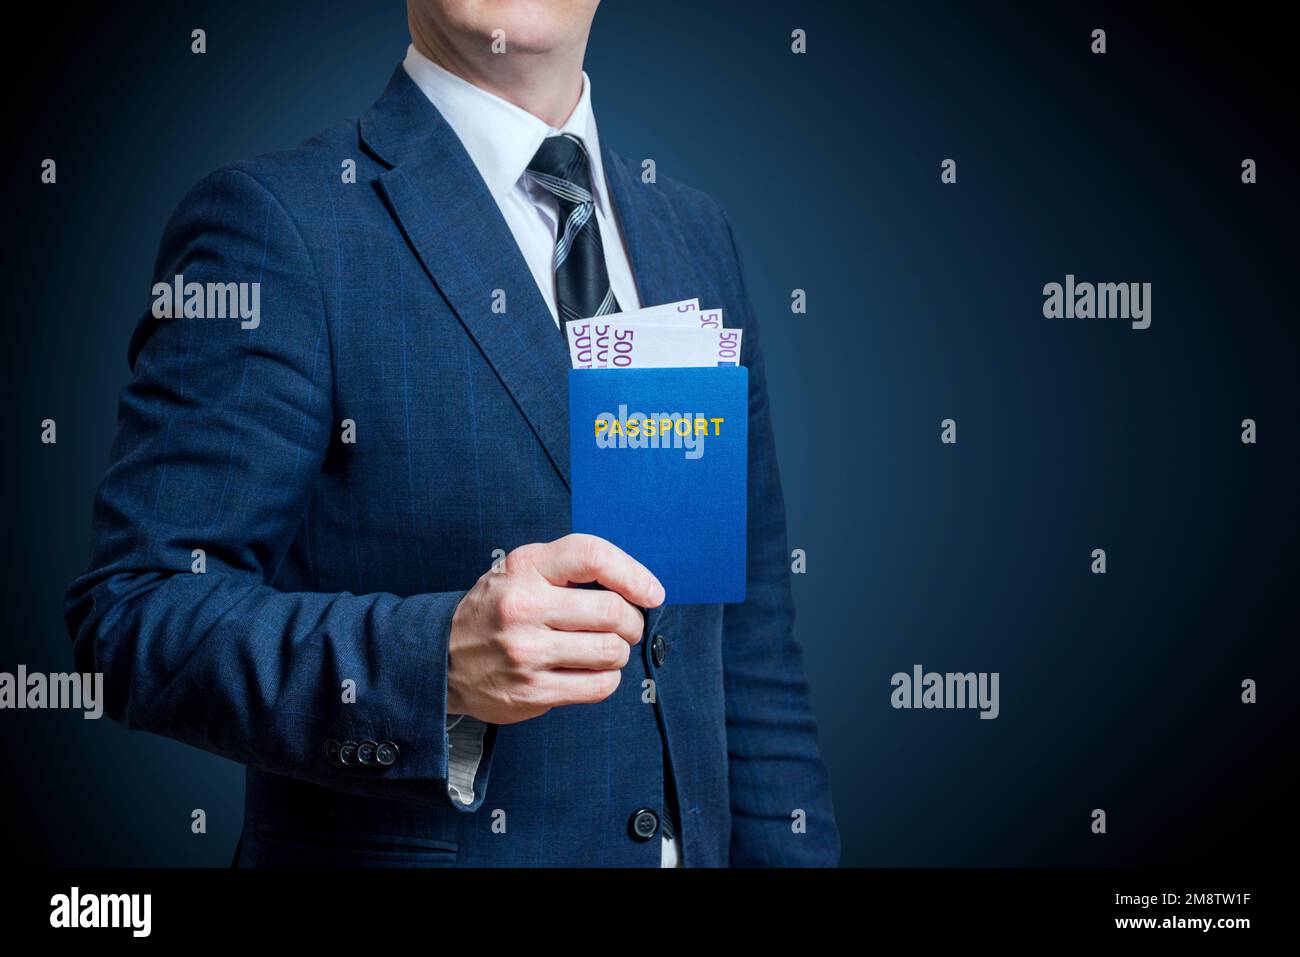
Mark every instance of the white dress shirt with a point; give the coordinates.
(501, 140)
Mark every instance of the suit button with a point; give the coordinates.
(644, 824)
(332, 751)
(659, 650)
(348, 754)
(366, 753)
(386, 754)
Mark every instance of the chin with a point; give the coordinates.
(531, 26)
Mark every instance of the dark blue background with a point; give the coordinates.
(1118, 691)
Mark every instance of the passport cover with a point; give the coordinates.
(663, 476)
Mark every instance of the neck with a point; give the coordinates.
(546, 84)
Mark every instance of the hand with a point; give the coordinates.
(524, 642)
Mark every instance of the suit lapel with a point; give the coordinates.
(455, 227)
(650, 243)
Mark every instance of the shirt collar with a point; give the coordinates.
(501, 138)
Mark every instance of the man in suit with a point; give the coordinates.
(293, 557)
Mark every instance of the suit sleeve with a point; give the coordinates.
(223, 429)
(775, 768)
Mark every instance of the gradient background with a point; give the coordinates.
(1118, 691)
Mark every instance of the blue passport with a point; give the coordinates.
(658, 465)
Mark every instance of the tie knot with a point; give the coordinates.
(561, 166)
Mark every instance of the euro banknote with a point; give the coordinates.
(672, 336)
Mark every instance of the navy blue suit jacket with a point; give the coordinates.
(329, 561)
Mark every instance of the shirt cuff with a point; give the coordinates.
(464, 753)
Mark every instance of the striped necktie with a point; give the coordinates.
(582, 288)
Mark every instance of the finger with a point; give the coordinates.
(578, 559)
(581, 609)
(585, 650)
(556, 688)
